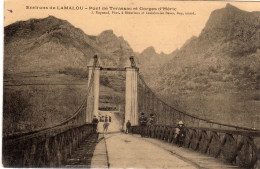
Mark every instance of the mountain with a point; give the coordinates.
(58, 44)
(149, 52)
(149, 62)
(45, 61)
(217, 74)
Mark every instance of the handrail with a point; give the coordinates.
(231, 131)
(237, 147)
(44, 133)
(237, 132)
(49, 148)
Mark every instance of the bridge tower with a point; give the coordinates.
(131, 104)
(94, 72)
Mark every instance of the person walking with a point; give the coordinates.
(128, 125)
(105, 126)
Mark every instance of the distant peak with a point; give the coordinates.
(106, 35)
(150, 50)
(225, 18)
(230, 6)
(51, 17)
(107, 32)
(229, 10)
(50, 20)
(162, 53)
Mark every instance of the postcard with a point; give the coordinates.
(131, 84)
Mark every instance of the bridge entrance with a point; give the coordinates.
(111, 106)
(111, 103)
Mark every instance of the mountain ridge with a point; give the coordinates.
(222, 61)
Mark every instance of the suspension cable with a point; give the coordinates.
(185, 113)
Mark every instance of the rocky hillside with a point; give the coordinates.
(217, 74)
(55, 45)
(149, 62)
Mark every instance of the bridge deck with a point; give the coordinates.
(126, 151)
(92, 153)
(120, 150)
(197, 159)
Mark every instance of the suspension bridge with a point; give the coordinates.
(75, 143)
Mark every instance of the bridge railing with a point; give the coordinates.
(237, 147)
(48, 148)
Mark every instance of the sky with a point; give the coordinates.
(164, 32)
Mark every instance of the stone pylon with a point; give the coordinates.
(131, 104)
(93, 72)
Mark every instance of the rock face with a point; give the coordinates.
(150, 62)
(236, 31)
(228, 42)
(219, 71)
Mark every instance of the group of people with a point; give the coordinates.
(144, 121)
(95, 121)
(105, 125)
(180, 132)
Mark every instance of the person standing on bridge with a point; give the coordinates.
(95, 122)
(128, 125)
(150, 123)
(151, 119)
(180, 134)
(142, 122)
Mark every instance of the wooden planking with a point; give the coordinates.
(90, 154)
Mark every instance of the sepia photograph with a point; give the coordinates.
(131, 84)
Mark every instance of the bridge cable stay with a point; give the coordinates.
(149, 103)
(79, 117)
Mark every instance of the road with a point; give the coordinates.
(119, 150)
(127, 151)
